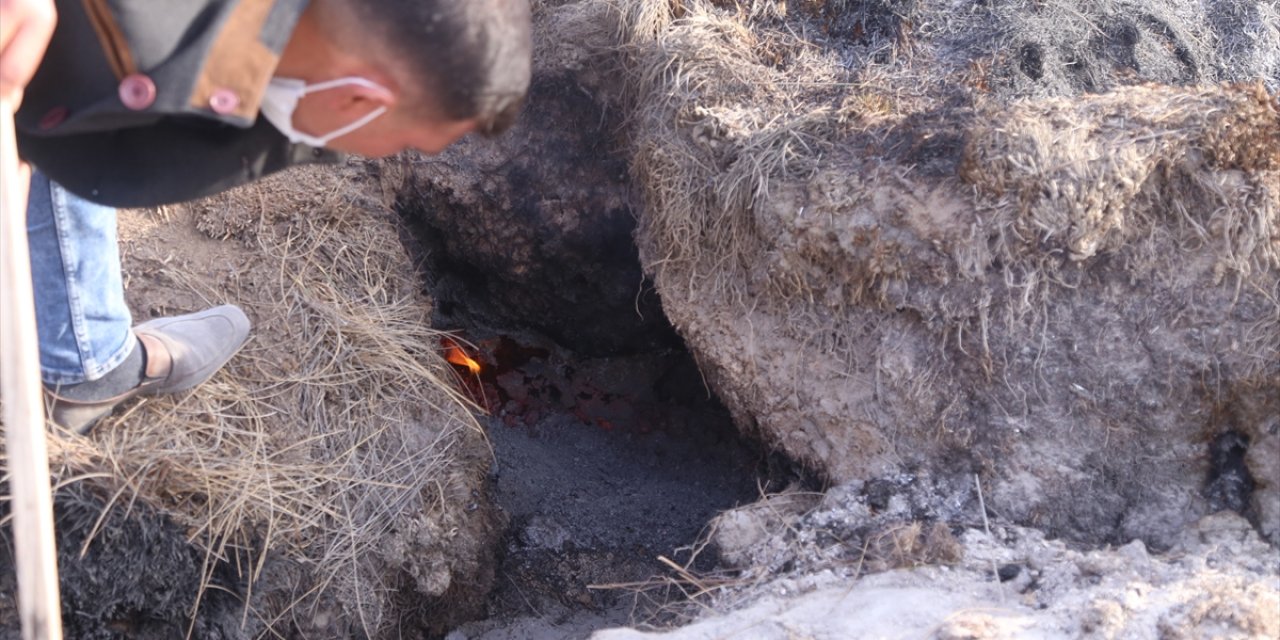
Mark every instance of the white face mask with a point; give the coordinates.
(283, 94)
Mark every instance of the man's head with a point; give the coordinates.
(441, 68)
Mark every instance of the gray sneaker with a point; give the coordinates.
(191, 348)
(181, 352)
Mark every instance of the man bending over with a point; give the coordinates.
(140, 103)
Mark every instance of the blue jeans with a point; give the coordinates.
(81, 316)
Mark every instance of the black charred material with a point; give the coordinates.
(868, 22)
(1229, 484)
(534, 230)
(137, 579)
(1008, 572)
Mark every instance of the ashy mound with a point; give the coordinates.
(1009, 583)
(325, 484)
(892, 275)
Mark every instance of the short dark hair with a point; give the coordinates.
(470, 58)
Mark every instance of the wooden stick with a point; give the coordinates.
(26, 449)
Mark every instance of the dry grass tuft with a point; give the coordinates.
(912, 545)
(732, 113)
(777, 171)
(1077, 169)
(880, 263)
(332, 439)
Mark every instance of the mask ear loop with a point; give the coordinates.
(338, 82)
(362, 121)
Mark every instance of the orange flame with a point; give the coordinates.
(454, 354)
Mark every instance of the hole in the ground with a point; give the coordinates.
(1229, 484)
(1031, 58)
(604, 466)
(610, 451)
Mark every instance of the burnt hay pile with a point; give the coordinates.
(905, 239)
(910, 242)
(324, 484)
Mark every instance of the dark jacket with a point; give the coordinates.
(143, 103)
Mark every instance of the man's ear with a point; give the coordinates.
(367, 97)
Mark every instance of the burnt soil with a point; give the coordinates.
(603, 466)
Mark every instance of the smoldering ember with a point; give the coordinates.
(769, 320)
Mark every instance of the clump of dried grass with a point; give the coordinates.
(722, 110)
(731, 114)
(1077, 170)
(332, 438)
(777, 173)
(874, 273)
